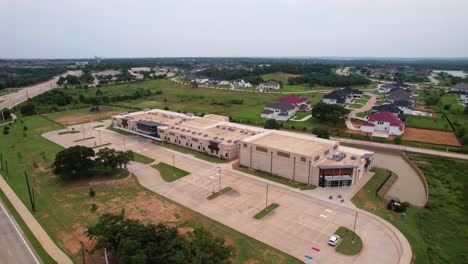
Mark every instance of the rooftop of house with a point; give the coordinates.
(282, 106)
(386, 117)
(293, 99)
(274, 83)
(399, 94)
(460, 87)
(388, 108)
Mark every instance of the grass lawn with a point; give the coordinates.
(361, 101)
(125, 133)
(69, 132)
(170, 173)
(346, 245)
(141, 158)
(366, 97)
(218, 193)
(428, 122)
(435, 233)
(278, 179)
(363, 114)
(197, 154)
(266, 211)
(98, 126)
(83, 139)
(354, 106)
(63, 209)
(300, 115)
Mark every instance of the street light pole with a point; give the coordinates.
(219, 177)
(124, 144)
(266, 196)
(173, 165)
(83, 131)
(354, 228)
(99, 132)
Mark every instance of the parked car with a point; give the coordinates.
(333, 240)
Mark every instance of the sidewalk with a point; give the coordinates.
(49, 246)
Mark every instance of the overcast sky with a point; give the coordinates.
(178, 28)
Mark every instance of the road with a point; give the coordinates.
(365, 143)
(12, 99)
(13, 245)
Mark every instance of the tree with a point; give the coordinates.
(28, 109)
(6, 113)
(397, 140)
(134, 242)
(74, 162)
(272, 124)
(330, 113)
(321, 133)
(111, 158)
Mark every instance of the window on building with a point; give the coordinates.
(327, 152)
(316, 158)
(245, 145)
(226, 155)
(261, 149)
(303, 159)
(283, 154)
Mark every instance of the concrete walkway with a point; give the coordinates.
(41, 235)
(301, 222)
(369, 104)
(300, 120)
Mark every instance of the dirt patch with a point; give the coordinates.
(357, 122)
(72, 120)
(290, 75)
(422, 108)
(431, 136)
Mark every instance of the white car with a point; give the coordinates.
(333, 240)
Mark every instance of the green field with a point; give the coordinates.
(436, 233)
(170, 173)
(363, 114)
(361, 101)
(346, 245)
(63, 209)
(142, 158)
(428, 122)
(354, 106)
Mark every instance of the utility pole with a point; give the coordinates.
(105, 255)
(354, 229)
(31, 199)
(266, 196)
(82, 252)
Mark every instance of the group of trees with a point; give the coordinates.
(24, 76)
(69, 79)
(132, 242)
(78, 161)
(331, 113)
(329, 79)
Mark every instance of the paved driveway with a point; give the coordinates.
(300, 223)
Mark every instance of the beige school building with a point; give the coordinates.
(299, 157)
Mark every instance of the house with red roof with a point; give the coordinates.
(301, 103)
(383, 123)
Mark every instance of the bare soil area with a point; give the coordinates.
(71, 120)
(431, 136)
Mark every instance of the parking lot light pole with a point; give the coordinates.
(173, 165)
(99, 132)
(354, 228)
(266, 196)
(219, 177)
(124, 144)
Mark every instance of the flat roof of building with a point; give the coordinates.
(293, 143)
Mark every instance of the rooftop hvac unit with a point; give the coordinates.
(221, 139)
(353, 157)
(215, 137)
(229, 141)
(338, 157)
(205, 135)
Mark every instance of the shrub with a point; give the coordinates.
(397, 140)
(94, 208)
(92, 192)
(6, 130)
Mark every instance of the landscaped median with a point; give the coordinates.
(218, 193)
(141, 158)
(266, 211)
(350, 243)
(169, 173)
(269, 176)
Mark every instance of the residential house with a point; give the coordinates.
(240, 84)
(405, 106)
(342, 96)
(224, 83)
(302, 103)
(383, 124)
(280, 111)
(392, 108)
(388, 87)
(399, 94)
(269, 85)
(459, 87)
